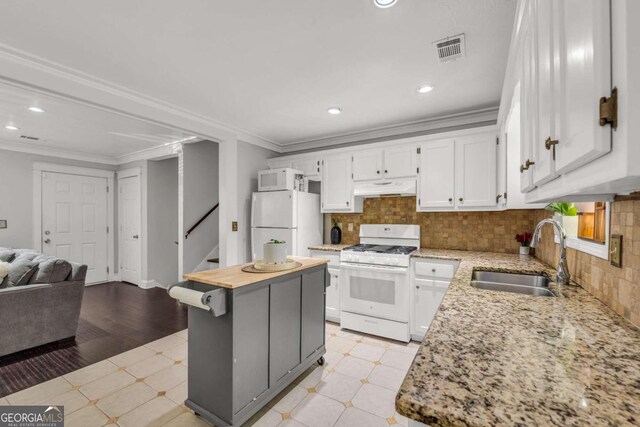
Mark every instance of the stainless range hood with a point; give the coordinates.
(399, 187)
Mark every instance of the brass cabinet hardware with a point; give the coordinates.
(460, 199)
(526, 165)
(548, 143)
(450, 199)
(378, 172)
(498, 197)
(609, 109)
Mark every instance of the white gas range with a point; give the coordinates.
(374, 280)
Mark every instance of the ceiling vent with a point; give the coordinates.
(450, 48)
(30, 138)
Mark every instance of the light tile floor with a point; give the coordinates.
(147, 386)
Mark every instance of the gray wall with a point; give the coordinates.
(16, 193)
(162, 221)
(251, 159)
(200, 184)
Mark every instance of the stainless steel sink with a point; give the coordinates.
(512, 282)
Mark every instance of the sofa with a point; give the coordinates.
(40, 299)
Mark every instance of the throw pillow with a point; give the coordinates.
(4, 274)
(50, 269)
(21, 271)
(7, 255)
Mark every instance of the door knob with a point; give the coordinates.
(47, 241)
(135, 236)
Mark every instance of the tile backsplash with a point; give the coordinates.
(472, 231)
(617, 287)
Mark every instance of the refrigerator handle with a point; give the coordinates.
(253, 215)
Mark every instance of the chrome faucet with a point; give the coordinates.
(562, 275)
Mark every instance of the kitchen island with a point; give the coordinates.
(498, 358)
(251, 335)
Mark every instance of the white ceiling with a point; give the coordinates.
(74, 127)
(272, 68)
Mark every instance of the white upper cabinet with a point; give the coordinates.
(528, 99)
(367, 165)
(279, 163)
(400, 162)
(475, 172)
(436, 182)
(310, 166)
(337, 184)
(584, 76)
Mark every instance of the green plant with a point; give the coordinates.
(275, 241)
(563, 208)
(334, 222)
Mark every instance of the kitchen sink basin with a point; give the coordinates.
(527, 284)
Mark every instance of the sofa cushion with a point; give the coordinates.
(4, 274)
(50, 269)
(22, 254)
(7, 255)
(21, 271)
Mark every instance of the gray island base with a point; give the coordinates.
(261, 333)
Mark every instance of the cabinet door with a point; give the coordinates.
(436, 178)
(367, 165)
(428, 295)
(333, 296)
(476, 173)
(250, 346)
(284, 328)
(337, 184)
(528, 100)
(400, 162)
(544, 168)
(313, 308)
(584, 76)
(279, 164)
(309, 166)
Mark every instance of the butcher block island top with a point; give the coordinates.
(233, 277)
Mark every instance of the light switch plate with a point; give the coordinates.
(615, 250)
(350, 226)
(3, 223)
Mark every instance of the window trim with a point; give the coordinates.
(595, 249)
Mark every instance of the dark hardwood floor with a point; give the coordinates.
(115, 317)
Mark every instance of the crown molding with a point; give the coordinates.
(31, 72)
(54, 152)
(470, 118)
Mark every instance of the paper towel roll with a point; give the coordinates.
(188, 296)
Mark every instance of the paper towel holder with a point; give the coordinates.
(215, 299)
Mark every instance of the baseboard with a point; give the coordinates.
(148, 284)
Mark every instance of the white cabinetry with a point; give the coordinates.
(458, 174)
(337, 184)
(400, 162)
(367, 165)
(310, 166)
(332, 292)
(430, 280)
(436, 184)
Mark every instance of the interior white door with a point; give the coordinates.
(260, 236)
(130, 236)
(367, 165)
(337, 183)
(400, 162)
(585, 76)
(436, 182)
(476, 174)
(74, 221)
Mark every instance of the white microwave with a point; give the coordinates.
(280, 179)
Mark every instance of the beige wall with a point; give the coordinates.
(618, 288)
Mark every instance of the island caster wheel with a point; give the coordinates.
(321, 361)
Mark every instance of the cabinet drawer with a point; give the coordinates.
(432, 269)
(374, 326)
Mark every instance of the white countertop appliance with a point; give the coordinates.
(292, 216)
(281, 179)
(374, 280)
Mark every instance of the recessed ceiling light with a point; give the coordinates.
(424, 89)
(36, 109)
(334, 110)
(384, 3)
(11, 127)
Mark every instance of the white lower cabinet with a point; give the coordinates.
(430, 280)
(332, 292)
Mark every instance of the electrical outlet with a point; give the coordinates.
(234, 226)
(3, 223)
(615, 250)
(350, 226)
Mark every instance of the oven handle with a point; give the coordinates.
(369, 267)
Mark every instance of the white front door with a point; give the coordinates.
(130, 236)
(74, 221)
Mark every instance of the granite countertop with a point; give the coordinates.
(328, 247)
(497, 358)
(233, 277)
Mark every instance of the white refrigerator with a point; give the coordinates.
(288, 215)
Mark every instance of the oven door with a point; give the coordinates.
(377, 291)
